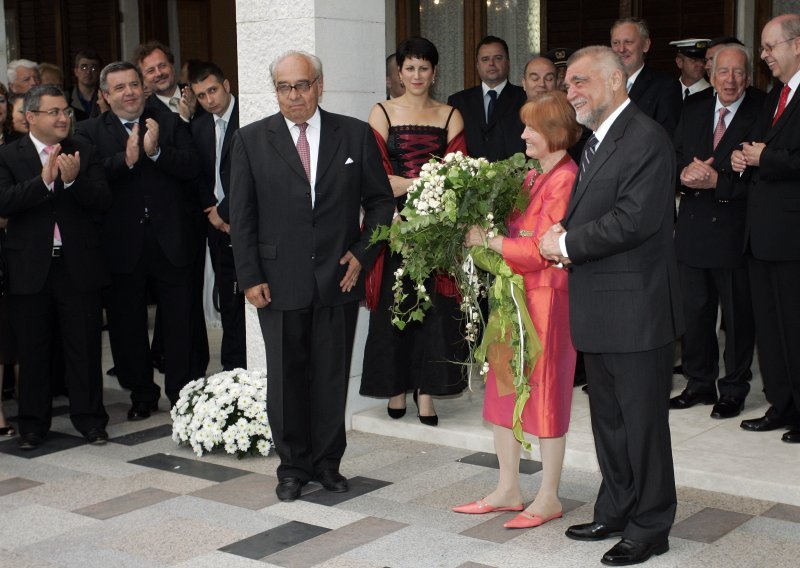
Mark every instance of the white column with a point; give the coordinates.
(349, 37)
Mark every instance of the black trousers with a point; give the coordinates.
(79, 315)
(308, 367)
(126, 309)
(629, 404)
(703, 290)
(776, 304)
(233, 351)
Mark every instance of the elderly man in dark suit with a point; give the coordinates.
(51, 188)
(773, 228)
(299, 181)
(491, 110)
(656, 94)
(147, 232)
(625, 313)
(212, 134)
(708, 237)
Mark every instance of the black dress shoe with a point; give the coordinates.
(29, 441)
(96, 436)
(627, 552)
(141, 410)
(727, 407)
(112, 372)
(689, 398)
(427, 420)
(592, 531)
(332, 480)
(766, 423)
(395, 413)
(288, 488)
(792, 436)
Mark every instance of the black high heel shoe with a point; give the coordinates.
(396, 413)
(427, 420)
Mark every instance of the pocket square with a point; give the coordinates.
(348, 161)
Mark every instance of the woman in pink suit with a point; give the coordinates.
(550, 128)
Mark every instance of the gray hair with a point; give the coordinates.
(734, 47)
(313, 59)
(606, 58)
(115, 67)
(12, 68)
(33, 97)
(641, 26)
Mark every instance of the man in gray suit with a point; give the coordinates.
(625, 313)
(299, 181)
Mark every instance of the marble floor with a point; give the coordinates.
(142, 501)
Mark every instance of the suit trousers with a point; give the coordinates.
(703, 290)
(79, 315)
(629, 404)
(776, 304)
(233, 351)
(308, 367)
(126, 309)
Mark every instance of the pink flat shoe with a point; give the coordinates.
(481, 507)
(526, 521)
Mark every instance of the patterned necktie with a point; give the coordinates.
(304, 149)
(56, 232)
(173, 104)
(719, 131)
(782, 102)
(492, 103)
(588, 153)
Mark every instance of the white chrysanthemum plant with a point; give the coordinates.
(227, 410)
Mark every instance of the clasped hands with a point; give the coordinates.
(749, 155)
(150, 142)
(549, 247)
(68, 164)
(699, 174)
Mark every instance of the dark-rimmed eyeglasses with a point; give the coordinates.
(55, 112)
(302, 87)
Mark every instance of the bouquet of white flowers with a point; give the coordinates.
(227, 410)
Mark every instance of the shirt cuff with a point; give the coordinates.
(562, 244)
(155, 156)
(66, 185)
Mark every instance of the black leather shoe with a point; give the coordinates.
(29, 441)
(141, 410)
(96, 436)
(689, 398)
(627, 552)
(395, 413)
(288, 488)
(332, 480)
(766, 423)
(727, 407)
(592, 531)
(792, 436)
(427, 420)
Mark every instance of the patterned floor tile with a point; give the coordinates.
(358, 486)
(194, 468)
(490, 460)
(269, 542)
(708, 525)
(784, 512)
(53, 442)
(125, 504)
(14, 484)
(253, 491)
(143, 436)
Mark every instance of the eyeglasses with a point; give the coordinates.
(55, 112)
(87, 67)
(302, 87)
(768, 48)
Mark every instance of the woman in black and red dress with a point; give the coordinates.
(411, 129)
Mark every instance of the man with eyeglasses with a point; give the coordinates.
(51, 189)
(299, 181)
(83, 98)
(146, 234)
(769, 165)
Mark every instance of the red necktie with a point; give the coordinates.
(304, 149)
(719, 131)
(782, 102)
(56, 232)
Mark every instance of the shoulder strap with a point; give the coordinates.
(388, 121)
(446, 124)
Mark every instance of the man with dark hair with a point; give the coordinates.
(491, 110)
(212, 133)
(157, 65)
(51, 188)
(83, 98)
(149, 157)
(394, 85)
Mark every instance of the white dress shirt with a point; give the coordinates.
(312, 134)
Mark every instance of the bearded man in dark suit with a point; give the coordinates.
(625, 312)
(299, 181)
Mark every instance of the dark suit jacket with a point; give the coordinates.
(205, 138)
(278, 238)
(500, 138)
(623, 282)
(155, 185)
(658, 95)
(710, 228)
(32, 209)
(773, 199)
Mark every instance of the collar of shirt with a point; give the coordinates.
(39, 145)
(315, 122)
(732, 108)
(633, 76)
(165, 100)
(698, 86)
(498, 89)
(226, 116)
(602, 130)
(124, 121)
(794, 83)
(313, 136)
